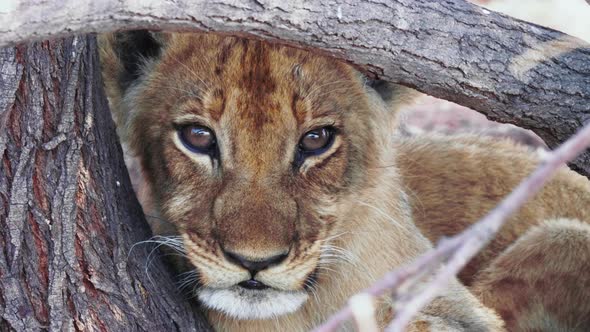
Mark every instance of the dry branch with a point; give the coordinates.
(455, 252)
(509, 70)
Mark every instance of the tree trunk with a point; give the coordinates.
(68, 215)
(509, 70)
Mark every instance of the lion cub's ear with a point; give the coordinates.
(125, 58)
(394, 95)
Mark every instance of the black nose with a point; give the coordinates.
(254, 265)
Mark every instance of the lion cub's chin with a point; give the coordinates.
(241, 303)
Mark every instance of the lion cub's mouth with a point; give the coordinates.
(252, 299)
(253, 284)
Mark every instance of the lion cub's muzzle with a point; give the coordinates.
(256, 287)
(261, 275)
(253, 267)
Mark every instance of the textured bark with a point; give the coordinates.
(509, 70)
(68, 215)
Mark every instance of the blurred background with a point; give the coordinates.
(431, 114)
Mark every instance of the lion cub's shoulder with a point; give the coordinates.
(472, 161)
(453, 181)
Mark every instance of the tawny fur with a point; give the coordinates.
(536, 272)
(371, 202)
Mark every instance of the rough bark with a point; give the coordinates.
(509, 70)
(68, 215)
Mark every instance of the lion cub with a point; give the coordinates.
(284, 184)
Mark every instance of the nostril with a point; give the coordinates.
(254, 265)
(274, 260)
(234, 258)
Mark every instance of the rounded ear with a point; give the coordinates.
(389, 99)
(394, 95)
(124, 58)
(132, 50)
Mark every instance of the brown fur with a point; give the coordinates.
(535, 273)
(375, 198)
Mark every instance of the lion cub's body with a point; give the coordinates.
(536, 272)
(370, 201)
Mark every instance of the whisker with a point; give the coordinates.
(173, 242)
(381, 212)
(315, 88)
(188, 278)
(335, 236)
(194, 73)
(312, 287)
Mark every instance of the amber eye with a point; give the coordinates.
(197, 138)
(316, 141)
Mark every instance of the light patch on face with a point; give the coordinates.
(241, 303)
(179, 205)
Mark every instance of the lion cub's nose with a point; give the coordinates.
(254, 265)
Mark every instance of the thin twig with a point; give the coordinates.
(458, 250)
(363, 311)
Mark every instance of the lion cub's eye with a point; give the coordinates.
(316, 141)
(197, 138)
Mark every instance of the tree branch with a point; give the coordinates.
(509, 70)
(456, 251)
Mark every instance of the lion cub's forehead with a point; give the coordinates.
(255, 79)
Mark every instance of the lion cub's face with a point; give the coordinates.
(252, 149)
